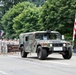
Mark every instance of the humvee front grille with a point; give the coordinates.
(57, 44)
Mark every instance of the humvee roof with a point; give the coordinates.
(39, 32)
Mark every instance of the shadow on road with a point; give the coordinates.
(53, 58)
(48, 58)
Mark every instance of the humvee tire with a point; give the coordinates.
(41, 53)
(23, 53)
(67, 54)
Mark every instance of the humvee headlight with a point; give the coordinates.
(64, 44)
(50, 45)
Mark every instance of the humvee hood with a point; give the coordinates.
(51, 41)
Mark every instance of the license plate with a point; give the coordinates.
(58, 49)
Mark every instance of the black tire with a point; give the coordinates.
(67, 54)
(23, 53)
(41, 53)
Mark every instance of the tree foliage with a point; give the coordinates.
(7, 4)
(59, 15)
(37, 2)
(54, 14)
(7, 19)
(27, 21)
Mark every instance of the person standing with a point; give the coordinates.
(4, 45)
(0, 46)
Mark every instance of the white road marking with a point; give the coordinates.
(2, 72)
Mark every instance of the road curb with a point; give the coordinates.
(74, 54)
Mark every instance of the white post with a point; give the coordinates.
(74, 35)
(74, 28)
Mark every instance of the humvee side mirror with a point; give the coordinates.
(62, 37)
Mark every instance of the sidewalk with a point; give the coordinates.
(74, 54)
(11, 53)
(19, 54)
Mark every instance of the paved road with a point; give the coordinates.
(53, 65)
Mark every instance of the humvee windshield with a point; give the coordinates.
(47, 36)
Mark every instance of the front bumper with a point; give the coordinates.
(56, 47)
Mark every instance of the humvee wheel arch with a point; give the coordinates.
(41, 53)
(67, 54)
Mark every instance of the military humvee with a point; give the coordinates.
(44, 43)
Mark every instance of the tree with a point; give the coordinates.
(27, 21)
(59, 15)
(7, 19)
(5, 5)
(37, 2)
(1, 14)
